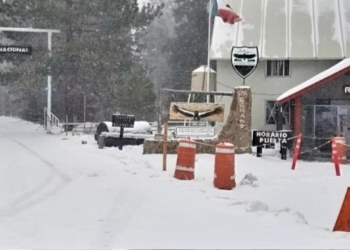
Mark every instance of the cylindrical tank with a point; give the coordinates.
(199, 79)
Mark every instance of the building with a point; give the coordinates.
(297, 40)
(320, 108)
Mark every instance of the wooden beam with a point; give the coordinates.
(297, 116)
(198, 92)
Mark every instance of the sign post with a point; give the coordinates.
(270, 138)
(122, 121)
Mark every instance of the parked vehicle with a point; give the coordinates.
(131, 136)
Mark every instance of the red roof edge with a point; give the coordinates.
(315, 86)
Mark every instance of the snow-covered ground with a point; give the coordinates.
(59, 193)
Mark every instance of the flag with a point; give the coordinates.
(223, 9)
(214, 9)
(229, 16)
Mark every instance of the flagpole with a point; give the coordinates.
(208, 62)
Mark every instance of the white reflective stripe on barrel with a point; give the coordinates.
(339, 140)
(181, 168)
(225, 150)
(187, 145)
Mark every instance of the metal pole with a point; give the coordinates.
(165, 145)
(49, 78)
(208, 62)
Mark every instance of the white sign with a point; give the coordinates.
(347, 90)
(195, 131)
(244, 60)
(271, 137)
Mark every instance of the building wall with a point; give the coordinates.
(265, 88)
(330, 94)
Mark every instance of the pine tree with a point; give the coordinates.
(188, 49)
(97, 48)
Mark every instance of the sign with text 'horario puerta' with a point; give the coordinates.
(270, 137)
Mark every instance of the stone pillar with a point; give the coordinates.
(237, 129)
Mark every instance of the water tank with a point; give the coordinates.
(199, 79)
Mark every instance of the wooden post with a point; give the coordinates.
(101, 141)
(159, 126)
(165, 145)
(297, 113)
(259, 151)
(66, 125)
(296, 151)
(84, 108)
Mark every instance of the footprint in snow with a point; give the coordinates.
(154, 176)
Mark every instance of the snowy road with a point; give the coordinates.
(57, 193)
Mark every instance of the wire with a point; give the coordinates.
(254, 93)
(220, 100)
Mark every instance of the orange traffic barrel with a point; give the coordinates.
(224, 177)
(186, 157)
(341, 149)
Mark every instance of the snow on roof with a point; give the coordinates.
(203, 68)
(286, 29)
(329, 72)
(140, 127)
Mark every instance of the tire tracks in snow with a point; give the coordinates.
(125, 204)
(28, 200)
(48, 164)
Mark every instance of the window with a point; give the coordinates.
(271, 113)
(277, 68)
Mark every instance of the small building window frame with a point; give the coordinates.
(271, 108)
(278, 68)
